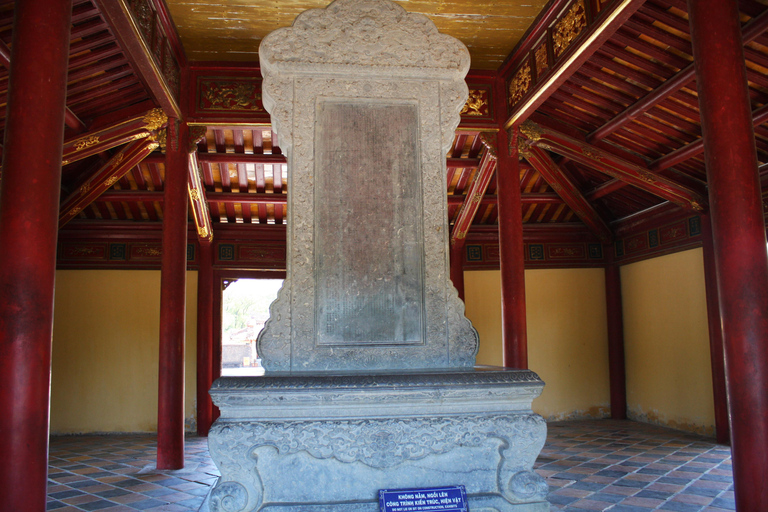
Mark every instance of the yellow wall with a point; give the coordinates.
(105, 351)
(567, 336)
(669, 378)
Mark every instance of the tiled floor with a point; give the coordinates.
(624, 466)
(116, 473)
(618, 466)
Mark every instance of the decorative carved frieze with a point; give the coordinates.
(569, 27)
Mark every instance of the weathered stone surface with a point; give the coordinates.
(365, 98)
(370, 382)
(330, 442)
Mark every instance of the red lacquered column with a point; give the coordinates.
(736, 213)
(204, 338)
(616, 369)
(457, 267)
(511, 248)
(29, 215)
(170, 400)
(717, 357)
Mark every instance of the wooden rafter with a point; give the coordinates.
(159, 70)
(569, 42)
(94, 142)
(127, 158)
(533, 134)
(759, 116)
(567, 190)
(476, 190)
(684, 77)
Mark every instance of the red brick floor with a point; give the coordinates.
(619, 466)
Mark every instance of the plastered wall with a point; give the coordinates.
(669, 378)
(567, 336)
(105, 351)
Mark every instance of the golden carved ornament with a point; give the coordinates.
(696, 206)
(196, 134)
(523, 148)
(569, 27)
(542, 63)
(532, 131)
(202, 232)
(461, 235)
(520, 84)
(74, 211)
(489, 141)
(111, 181)
(86, 142)
(85, 187)
(162, 139)
(226, 95)
(476, 198)
(194, 194)
(476, 103)
(154, 119)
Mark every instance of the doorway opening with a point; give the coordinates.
(244, 311)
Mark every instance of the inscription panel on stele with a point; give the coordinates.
(368, 243)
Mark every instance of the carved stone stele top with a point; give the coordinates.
(365, 99)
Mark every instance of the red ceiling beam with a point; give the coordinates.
(476, 190)
(607, 163)
(568, 42)
(106, 138)
(685, 76)
(565, 188)
(70, 119)
(128, 157)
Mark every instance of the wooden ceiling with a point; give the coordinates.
(617, 138)
(231, 30)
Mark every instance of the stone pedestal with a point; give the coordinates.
(330, 442)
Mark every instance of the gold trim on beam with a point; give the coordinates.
(564, 66)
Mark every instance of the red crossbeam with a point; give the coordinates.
(551, 172)
(610, 164)
(128, 157)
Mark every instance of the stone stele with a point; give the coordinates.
(370, 381)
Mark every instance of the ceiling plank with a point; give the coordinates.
(685, 76)
(566, 189)
(477, 189)
(608, 163)
(129, 33)
(574, 47)
(759, 116)
(94, 142)
(127, 158)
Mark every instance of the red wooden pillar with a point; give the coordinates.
(616, 368)
(511, 249)
(204, 338)
(29, 216)
(170, 417)
(738, 228)
(457, 267)
(716, 351)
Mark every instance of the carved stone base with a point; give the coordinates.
(331, 442)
